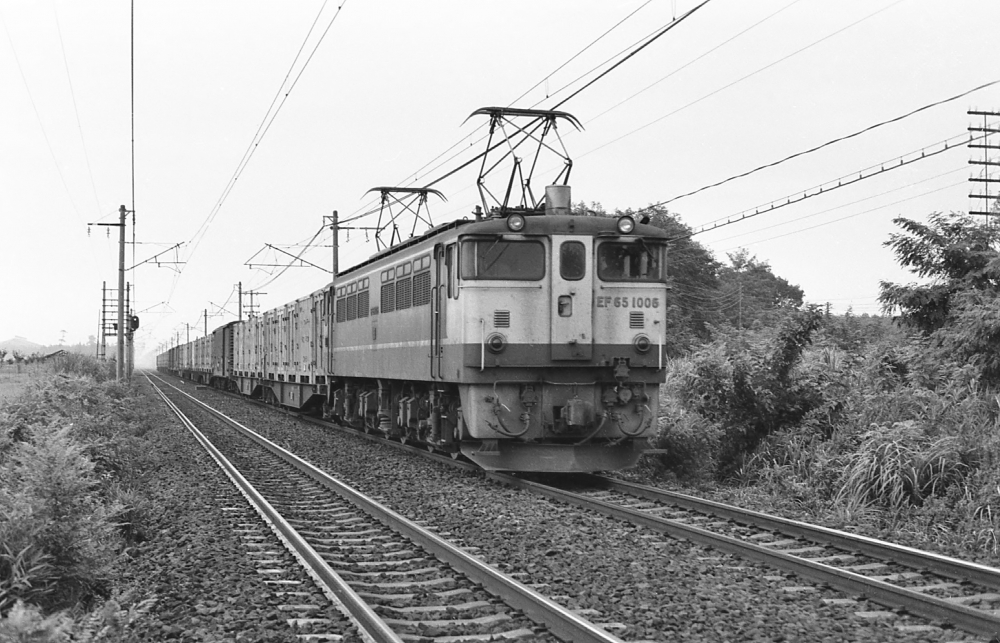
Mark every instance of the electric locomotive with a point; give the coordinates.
(525, 339)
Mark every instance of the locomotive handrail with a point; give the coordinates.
(482, 345)
(501, 284)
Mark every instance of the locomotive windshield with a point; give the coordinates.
(632, 261)
(502, 259)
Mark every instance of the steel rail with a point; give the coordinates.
(909, 556)
(965, 618)
(368, 621)
(560, 621)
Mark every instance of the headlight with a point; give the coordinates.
(626, 224)
(515, 222)
(496, 343)
(641, 344)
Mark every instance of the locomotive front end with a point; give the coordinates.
(569, 314)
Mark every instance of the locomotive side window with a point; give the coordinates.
(638, 261)
(572, 260)
(502, 259)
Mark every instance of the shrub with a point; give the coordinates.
(745, 385)
(52, 510)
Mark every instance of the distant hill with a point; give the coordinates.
(21, 345)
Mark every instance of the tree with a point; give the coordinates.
(958, 311)
(954, 252)
(749, 291)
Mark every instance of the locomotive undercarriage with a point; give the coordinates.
(539, 426)
(408, 411)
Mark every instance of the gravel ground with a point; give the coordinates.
(194, 562)
(645, 585)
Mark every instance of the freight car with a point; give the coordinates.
(527, 339)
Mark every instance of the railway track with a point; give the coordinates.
(941, 589)
(945, 592)
(396, 580)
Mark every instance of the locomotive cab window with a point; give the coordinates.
(572, 260)
(500, 258)
(632, 261)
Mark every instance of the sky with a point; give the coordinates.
(378, 93)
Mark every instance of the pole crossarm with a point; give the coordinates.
(302, 262)
(154, 258)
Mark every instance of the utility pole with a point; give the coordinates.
(120, 366)
(988, 198)
(240, 286)
(335, 229)
(206, 322)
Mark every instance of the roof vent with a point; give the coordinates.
(557, 199)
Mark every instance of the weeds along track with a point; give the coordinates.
(944, 590)
(394, 579)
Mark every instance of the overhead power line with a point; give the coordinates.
(851, 216)
(829, 186)
(843, 205)
(830, 142)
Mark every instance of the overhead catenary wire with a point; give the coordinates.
(692, 61)
(269, 117)
(430, 165)
(650, 41)
(76, 110)
(38, 117)
(741, 79)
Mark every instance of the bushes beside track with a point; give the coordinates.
(72, 464)
(845, 420)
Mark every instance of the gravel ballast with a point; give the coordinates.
(643, 585)
(197, 562)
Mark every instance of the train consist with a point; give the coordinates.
(528, 339)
